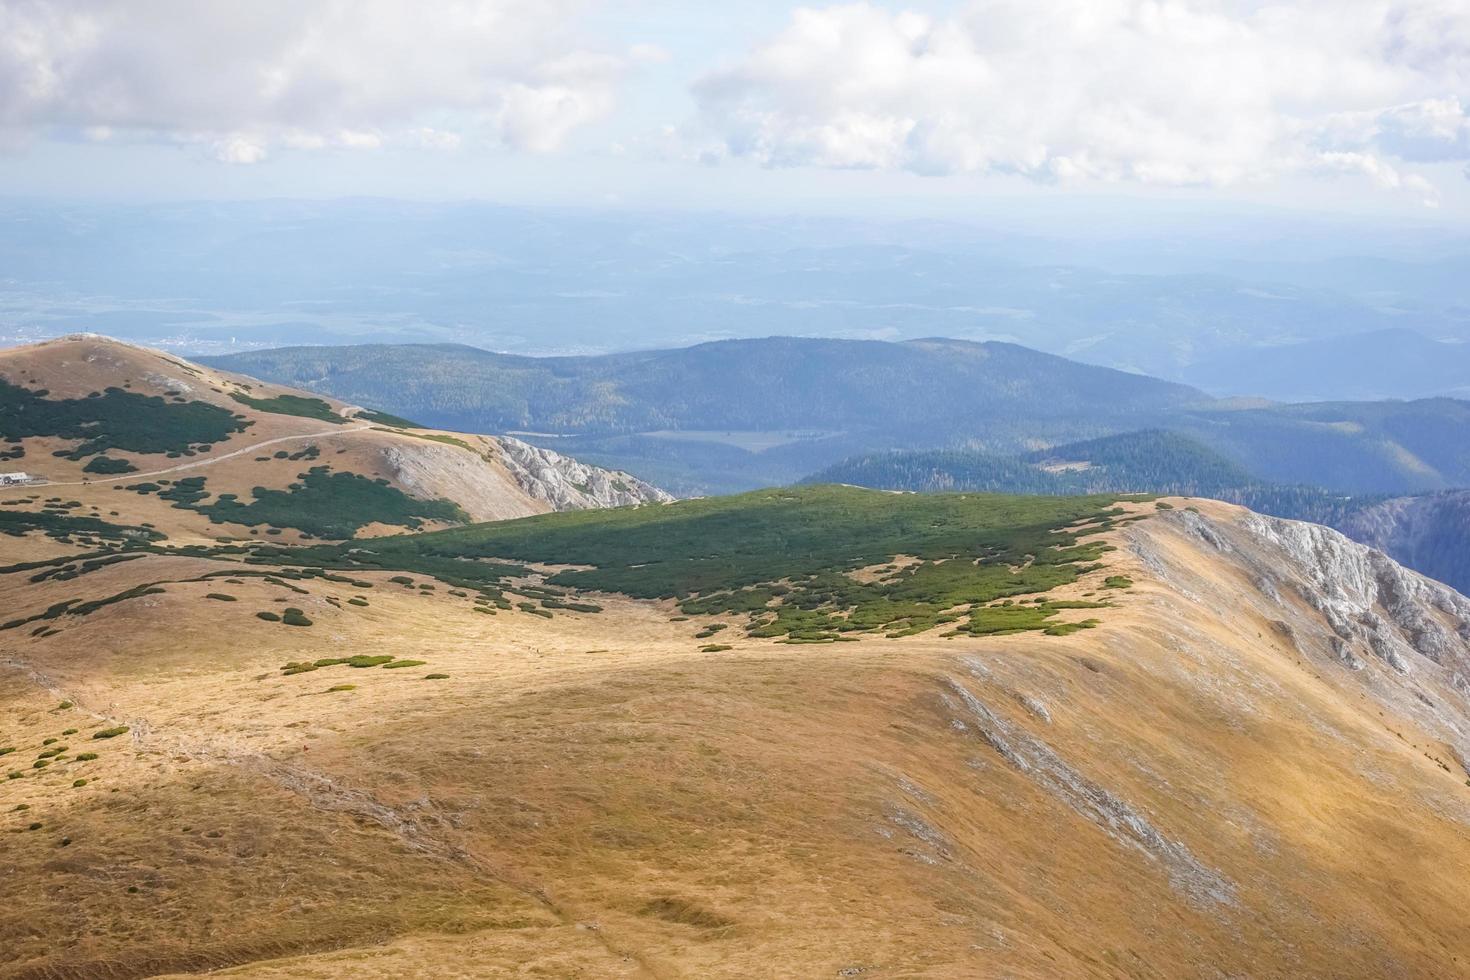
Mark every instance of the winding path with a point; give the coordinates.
(194, 464)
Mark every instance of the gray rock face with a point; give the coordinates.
(1365, 595)
(567, 484)
(1119, 819)
(1403, 637)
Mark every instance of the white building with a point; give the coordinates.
(12, 479)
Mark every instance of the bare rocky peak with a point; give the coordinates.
(566, 484)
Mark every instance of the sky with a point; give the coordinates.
(917, 108)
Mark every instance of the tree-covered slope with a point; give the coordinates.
(734, 415)
(1152, 461)
(774, 383)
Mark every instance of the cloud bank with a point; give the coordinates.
(1181, 92)
(242, 79)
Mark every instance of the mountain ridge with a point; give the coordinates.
(1250, 727)
(733, 415)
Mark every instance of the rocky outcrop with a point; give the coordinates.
(566, 484)
(1367, 597)
(1403, 637)
(498, 478)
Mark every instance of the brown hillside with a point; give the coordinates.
(269, 448)
(1248, 769)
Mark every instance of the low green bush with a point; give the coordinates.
(107, 464)
(1117, 582)
(77, 783)
(362, 661)
(52, 753)
(404, 663)
(436, 677)
(269, 617)
(295, 617)
(85, 757)
(341, 687)
(70, 731)
(1067, 629)
(112, 732)
(715, 648)
(221, 596)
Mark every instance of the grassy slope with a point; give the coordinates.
(592, 796)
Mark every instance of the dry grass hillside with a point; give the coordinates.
(142, 438)
(1251, 765)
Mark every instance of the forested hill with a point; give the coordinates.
(1151, 461)
(778, 383)
(734, 415)
(1429, 533)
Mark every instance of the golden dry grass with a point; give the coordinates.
(591, 796)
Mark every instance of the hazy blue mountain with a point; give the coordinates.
(1395, 363)
(734, 415)
(1149, 461)
(208, 278)
(776, 383)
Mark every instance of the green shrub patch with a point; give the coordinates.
(115, 419)
(295, 617)
(304, 407)
(107, 464)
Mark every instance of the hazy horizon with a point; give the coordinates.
(1161, 188)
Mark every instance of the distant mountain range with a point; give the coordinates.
(732, 415)
(737, 414)
(1396, 363)
(218, 277)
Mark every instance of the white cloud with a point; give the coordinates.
(242, 79)
(1157, 91)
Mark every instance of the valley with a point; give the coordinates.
(856, 398)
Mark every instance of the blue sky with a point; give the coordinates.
(935, 109)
